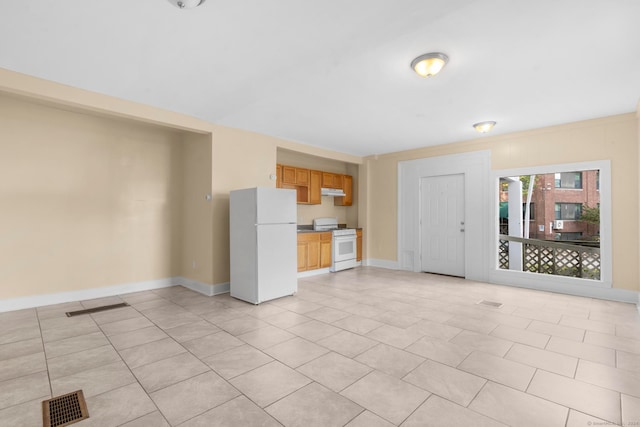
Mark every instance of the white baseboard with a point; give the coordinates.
(108, 291)
(382, 263)
(20, 303)
(611, 294)
(532, 281)
(203, 288)
(315, 272)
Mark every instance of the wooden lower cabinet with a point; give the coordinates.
(303, 254)
(359, 244)
(314, 251)
(325, 250)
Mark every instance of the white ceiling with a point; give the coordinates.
(335, 73)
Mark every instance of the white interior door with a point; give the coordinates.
(442, 224)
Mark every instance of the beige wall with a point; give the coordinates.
(611, 138)
(240, 160)
(197, 212)
(85, 201)
(123, 186)
(100, 191)
(96, 196)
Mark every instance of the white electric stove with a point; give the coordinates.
(343, 243)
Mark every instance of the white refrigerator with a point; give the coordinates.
(263, 239)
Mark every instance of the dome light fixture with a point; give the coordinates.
(429, 64)
(484, 127)
(186, 4)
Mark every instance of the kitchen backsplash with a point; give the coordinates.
(306, 213)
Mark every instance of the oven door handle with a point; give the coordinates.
(344, 238)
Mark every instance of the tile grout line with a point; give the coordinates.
(474, 398)
(334, 292)
(227, 381)
(210, 369)
(44, 352)
(129, 369)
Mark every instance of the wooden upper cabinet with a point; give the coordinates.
(278, 176)
(289, 175)
(315, 183)
(347, 187)
(327, 180)
(331, 180)
(337, 180)
(302, 176)
(295, 176)
(308, 184)
(298, 179)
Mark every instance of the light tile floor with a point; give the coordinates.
(364, 347)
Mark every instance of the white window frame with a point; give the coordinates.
(574, 285)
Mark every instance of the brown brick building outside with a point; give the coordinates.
(556, 205)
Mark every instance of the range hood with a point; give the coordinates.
(332, 191)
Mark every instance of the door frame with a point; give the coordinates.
(476, 168)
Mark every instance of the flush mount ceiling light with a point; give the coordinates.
(186, 4)
(484, 127)
(429, 64)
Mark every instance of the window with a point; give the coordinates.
(568, 180)
(570, 236)
(504, 210)
(568, 211)
(525, 247)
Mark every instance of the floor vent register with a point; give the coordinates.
(96, 309)
(64, 410)
(490, 303)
